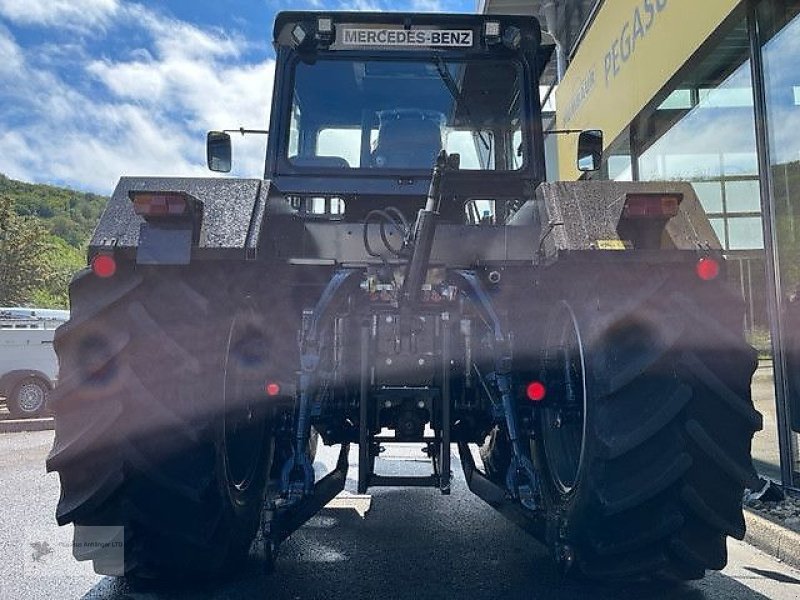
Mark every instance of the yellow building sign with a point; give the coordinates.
(630, 52)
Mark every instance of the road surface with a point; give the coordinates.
(410, 544)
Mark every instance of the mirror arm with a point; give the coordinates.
(244, 131)
(562, 131)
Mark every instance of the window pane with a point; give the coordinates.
(708, 137)
(677, 99)
(474, 153)
(516, 155)
(344, 143)
(726, 97)
(618, 159)
(739, 163)
(780, 28)
(416, 107)
(743, 196)
(690, 166)
(619, 168)
(294, 131)
(712, 138)
(746, 233)
(710, 195)
(719, 228)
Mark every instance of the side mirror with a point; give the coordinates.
(218, 151)
(590, 150)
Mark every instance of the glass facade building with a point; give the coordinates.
(726, 117)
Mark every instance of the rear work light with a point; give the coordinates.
(651, 206)
(491, 30)
(325, 27)
(160, 204)
(104, 265)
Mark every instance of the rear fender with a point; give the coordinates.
(586, 215)
(230, 221)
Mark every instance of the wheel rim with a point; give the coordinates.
(31, 397)
(564, 421)
(243, 424)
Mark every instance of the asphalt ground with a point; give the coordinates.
(411, 543)
(12, 425)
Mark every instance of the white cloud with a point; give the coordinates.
(196, 80)
(10, 53)
(144, 110)
(179, 38)
(159, 102)
(79, 14)
(142, 146)
(17, 157)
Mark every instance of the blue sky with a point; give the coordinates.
(94, 89)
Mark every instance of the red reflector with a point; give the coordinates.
(160, 204)
(649, 206)
(104, 265)
(273, 389)
(707, 269)
(536, 391)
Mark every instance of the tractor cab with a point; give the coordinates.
(365, 103)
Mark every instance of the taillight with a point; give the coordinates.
(160, 204)
(536, 391)
(272, 388)
(707, 268)
(649, 206)
(104, 265)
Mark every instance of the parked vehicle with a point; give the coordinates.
(28, 363)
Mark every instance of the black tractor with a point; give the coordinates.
(404, 273)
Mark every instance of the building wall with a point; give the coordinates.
(630, 52)
(709, 92)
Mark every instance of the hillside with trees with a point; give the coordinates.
(44, 232)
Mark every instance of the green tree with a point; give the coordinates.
(61, 262)
(65, 213)
(67, 229)
(23, 246)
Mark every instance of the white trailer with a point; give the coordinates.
(28, 363)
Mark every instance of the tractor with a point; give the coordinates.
(404, 273)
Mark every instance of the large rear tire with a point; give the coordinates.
(149, 440)
(645, 450)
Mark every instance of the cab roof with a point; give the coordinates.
(524, 22)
